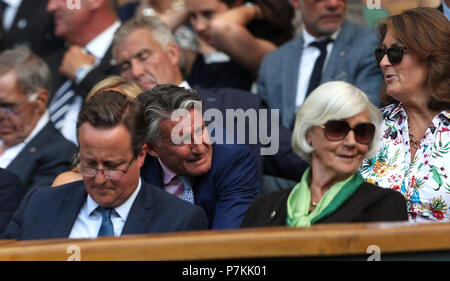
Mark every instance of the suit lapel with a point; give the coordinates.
(289, 80)
(337, 54)
(151, 171)
(141, 212)
(68, 211)
(21, 163)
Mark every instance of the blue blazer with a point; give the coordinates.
(11, 193)
(352, 60)
(47, 155)
(51, 212)
(226, 190)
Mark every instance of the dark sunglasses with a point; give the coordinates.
(336, 130)
(395, 54)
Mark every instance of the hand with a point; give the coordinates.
(73, 58)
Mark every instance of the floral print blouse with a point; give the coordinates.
(425, 182)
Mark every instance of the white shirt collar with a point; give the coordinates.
(308, 38)
(100, 44)
(185, 84)
(122, 210)
(216, 57)
(45, 118)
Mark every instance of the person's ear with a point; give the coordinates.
(141, 155)
(308, 137)
(173, 51)
(41, 100)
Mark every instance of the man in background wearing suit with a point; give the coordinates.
(26, 22)
(30, 146)
(329, 48)
(145, 51)
(89, 29)
(112, 200)
(221, 178)
(11, 193)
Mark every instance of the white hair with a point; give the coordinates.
(334, 100)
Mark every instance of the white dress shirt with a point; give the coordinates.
(89, 219)
(308, 59)
(11, 153)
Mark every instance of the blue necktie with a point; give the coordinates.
(106, 229)
(316, 75)
(188, 194)
(61, 104)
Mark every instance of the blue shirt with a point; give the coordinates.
(89, 218)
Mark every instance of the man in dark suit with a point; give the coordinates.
(329, 48)
(11, 193)
(30, 146)
(111, 200)
(89, 29)
(186, 161)
(146, 52)
(26, 22)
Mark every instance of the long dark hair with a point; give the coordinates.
(277, 23)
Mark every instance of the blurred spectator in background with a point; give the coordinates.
(89, 31)
(30, 146)
(26, 22)
(329, 48)
(234, 37)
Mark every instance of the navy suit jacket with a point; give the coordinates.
(32, 27)
(11, 193)
(51, 212)
(226, 190)
(351, 60)
(47, 155)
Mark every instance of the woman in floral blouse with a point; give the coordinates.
(413, 156)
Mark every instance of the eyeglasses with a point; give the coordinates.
(111, 174)
(336, 130)
(395, 54)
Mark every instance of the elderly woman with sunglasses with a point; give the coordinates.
(334, 130)
(413, 156)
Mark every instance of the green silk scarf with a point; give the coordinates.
(299, 200)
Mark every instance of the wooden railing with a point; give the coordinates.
(276, 242)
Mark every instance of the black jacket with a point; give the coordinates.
(369, 203)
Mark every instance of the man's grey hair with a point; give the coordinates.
(32, 72)
(160, 102)
(159, 31)
(334, 100)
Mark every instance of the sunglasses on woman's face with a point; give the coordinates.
(336, 130)
(395, 54)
